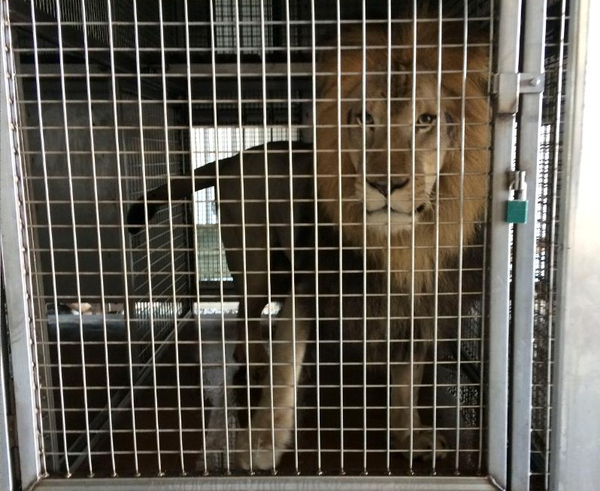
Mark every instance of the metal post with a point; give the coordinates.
(576, 426)
(6, 474)
(504, 138)
(530, 116)
(15, 246)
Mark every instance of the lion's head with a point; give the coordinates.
(438, 141)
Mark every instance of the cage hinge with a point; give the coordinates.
(508, 86)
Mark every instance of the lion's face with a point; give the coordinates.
(395, 184)
(389, 163)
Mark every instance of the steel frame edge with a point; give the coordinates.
(6, 471)
(530, 117)
(279, 483)
(575, 424)
(14, 244)
(499, 278)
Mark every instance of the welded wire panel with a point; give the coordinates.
(259, 234)
(547, 228)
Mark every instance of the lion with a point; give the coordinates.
(252, 248)
(417, 218)
(414, 211)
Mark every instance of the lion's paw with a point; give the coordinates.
(422, 444)
(264, 454)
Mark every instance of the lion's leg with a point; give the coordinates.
(256, 354)
(422, 438)
(400, 396)
(280, 414)
(249, 272)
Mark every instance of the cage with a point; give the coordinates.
(265, 243)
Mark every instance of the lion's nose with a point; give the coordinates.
(382, 184)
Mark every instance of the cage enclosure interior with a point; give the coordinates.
(269, 237)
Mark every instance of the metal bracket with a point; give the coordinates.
(518, 183)
(508, 86)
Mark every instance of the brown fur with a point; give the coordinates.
(473, 183)
(477, 135)
(452, 214)
(245, 224)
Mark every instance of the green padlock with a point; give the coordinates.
(516, 208)
(516, 211)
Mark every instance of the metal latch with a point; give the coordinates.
(508, 86)
(516, 208)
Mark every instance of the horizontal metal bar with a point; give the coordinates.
(282, 483)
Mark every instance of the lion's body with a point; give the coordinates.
(429, 263)
(258, 250)
(408, 218)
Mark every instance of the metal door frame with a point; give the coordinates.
(15, 248)
(576, 394)
(6, 470)
(15, 242)
(22, 330)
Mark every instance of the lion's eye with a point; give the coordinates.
(426, 119)
(368, 119)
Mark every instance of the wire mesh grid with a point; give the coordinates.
(547, 233)
(340, 374)
(210, 252)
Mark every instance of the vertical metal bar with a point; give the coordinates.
(40, 345)
(15, 246)
(54, 441)
(499, 287)
(6, 469)
(554, 196)
(213, 66)
(575, 425)
(436, 265)
(61, 64)
(484, 279)
(50, 238)
(388, 315)
(195, 234)
(364, 225)
(482, 368)
(292, 241)
(316, 230)
(98, 236)
(267, 214)
(138, 69)
(240, 114)
(462, 129)
(124, 254)
(171, 238)
(340, 225)
(530, 116)
(413, 140)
